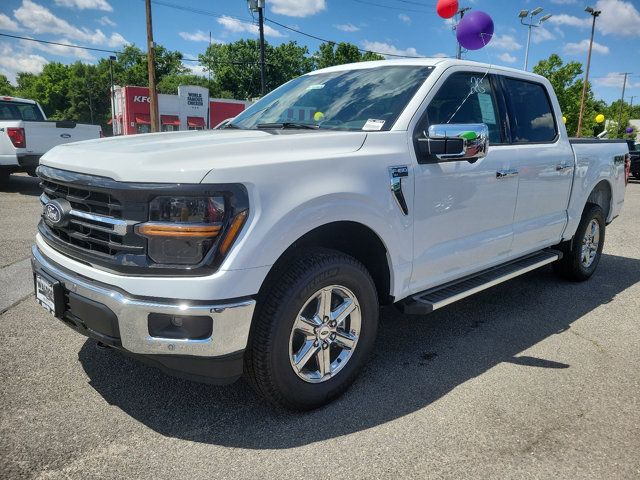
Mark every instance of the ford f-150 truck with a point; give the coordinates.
(25, 135)
(266, 248)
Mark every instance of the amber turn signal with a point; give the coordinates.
(232, 233)
(177, 230)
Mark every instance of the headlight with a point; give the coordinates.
(188, 230)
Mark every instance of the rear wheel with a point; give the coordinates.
(637, 175)
(582, 254)
(313, 331)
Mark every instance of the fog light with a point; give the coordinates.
(180, 327)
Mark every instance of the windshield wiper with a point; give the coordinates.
(289, 125)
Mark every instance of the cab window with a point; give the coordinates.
(532, 119)
(467, 98)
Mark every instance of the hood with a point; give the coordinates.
(186, 157)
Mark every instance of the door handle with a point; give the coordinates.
(561, 167)
(512, 172)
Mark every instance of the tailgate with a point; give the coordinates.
(43, 136)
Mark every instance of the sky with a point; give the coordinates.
(402, 27)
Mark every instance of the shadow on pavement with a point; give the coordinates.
(22, 184)
(417, 361)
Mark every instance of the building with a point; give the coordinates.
(190, 109)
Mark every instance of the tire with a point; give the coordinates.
(4, 176)
(276, 338)
(637, 175)
(577, 264)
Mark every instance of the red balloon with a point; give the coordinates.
(447, 8)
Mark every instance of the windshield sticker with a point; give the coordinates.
(373, 125)
(486, 108)
(318, 86)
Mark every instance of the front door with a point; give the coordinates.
(463, 209)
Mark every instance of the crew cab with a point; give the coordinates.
(267, 247)
(25, 135)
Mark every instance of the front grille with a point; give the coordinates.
(100, 223)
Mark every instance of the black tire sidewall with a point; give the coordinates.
(593, 212)
(334, 272)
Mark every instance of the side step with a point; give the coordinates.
(430, 300)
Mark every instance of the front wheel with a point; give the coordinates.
(582, 255)
(314, 328)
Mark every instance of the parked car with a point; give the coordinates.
(25, 135)
(268, 246)
(634, 152)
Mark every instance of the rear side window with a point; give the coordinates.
(20, 111)
(532, 119)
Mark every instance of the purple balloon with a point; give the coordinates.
(629, 129)
(474, 30)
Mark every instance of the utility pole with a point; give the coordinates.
(595, 14)
(114, 129)
(258, 6)
(459, 50)
(624, 87)
(151, 66)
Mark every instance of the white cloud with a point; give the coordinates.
(197, 36)
(615, 80)
(507, 57)
(8, 24)
(106, 21)
(12, 62)
(388, 49)
(405, 18)
(194, 67)
(542, 35)
(59, 50)
(85, 4)
(237, 26)
(618, 18)
(347, 27)
(583, 47)
(297, 8)
(505, 42)
(440, 55)
(39, 19)
(570, 20)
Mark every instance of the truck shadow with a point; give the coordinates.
(22, 184)
(417, 361)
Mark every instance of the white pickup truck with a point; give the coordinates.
(267, 247)
(25, 135)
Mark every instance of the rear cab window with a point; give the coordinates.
(20, 111)
(531, 114)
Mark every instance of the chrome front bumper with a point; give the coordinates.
(231, 321)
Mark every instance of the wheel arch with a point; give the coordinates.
(601, 195)
(351, 238)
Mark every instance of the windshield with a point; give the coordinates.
(20, 111)
(367, 99)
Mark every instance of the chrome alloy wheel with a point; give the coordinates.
(325, 334)
(590, 243)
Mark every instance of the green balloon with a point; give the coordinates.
(468, 135)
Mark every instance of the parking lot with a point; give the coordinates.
(534, 378)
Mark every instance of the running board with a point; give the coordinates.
(430, 300)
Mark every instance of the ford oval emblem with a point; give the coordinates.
(65, 135)
(53, 212)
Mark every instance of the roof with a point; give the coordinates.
(16, 99)
(423, 61)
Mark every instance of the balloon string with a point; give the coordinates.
(472, 90)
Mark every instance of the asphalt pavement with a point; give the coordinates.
(534, 378)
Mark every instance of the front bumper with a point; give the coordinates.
(120, 320)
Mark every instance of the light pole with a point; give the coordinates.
(595, 14)
(530, 24)
(112, 92)
(258, 6)
(461, 12)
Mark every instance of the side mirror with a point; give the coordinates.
(453, 142)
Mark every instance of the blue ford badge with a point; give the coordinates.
(56, 212)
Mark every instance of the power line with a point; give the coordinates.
(390, 7)
(335, 43)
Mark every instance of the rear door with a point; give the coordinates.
(544, 159)
(463, 209)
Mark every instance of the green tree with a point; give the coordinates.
(5, 86)
(568, 87)
(235, 67)
(330, 54)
